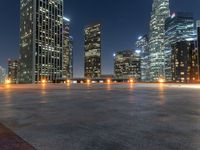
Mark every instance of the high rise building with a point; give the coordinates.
(13, 70)
(127, 65)
(2, 75)
(160, 11)
(67, 51)
(142, 45)
(185, 62)
(178, 27)
(198, 46)
(93, 51)
(41, 40)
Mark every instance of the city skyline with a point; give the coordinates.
(110, 41)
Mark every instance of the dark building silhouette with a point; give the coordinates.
(185, 62)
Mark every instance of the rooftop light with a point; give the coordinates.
(66, 19)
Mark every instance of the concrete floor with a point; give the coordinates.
(103, 117)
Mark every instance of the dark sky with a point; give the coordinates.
(122, 22)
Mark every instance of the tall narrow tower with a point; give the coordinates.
(93, 51)
(67, 50)
(160, 11)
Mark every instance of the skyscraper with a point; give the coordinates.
(127, 65)
(160, 11)
(178, 27)
(2, 75)
(198, 46)
(41, 40)
(67, 51)
(13, 70)
(142, 44)
(185, 62)
(93, 51)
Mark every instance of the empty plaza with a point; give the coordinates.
(103, 116)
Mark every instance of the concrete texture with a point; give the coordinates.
(103, 117)
(10, 141)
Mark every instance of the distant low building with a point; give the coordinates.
(13, 70)
(127, 65)
(2, 75)
(185, 62)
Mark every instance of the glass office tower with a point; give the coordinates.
(67, 51)
(185, 62)
(41, 40)
(142, 45)
(13, 70)
(178, 27)
(2, 75)
(127, 65)
(160, 11)
(198, 46)
(93, 51)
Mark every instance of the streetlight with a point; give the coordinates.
(8, 81)
(161, 80)
(88, 81)
(131, 81)
(108, 81)
(44, 81)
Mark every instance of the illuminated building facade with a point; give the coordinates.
(142, 45)
(198, 45)
(13, 70)
(160, 11)
(67, 50)
(93, 51)
(185, 62)
(178, 27)
(2, 75)
(127, 65)
(41, 40)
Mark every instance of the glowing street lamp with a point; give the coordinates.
(8, 81)
(44, 81)
(88, 81)
(68, 81)
(131, 81)
(108, 81)
(161, 80)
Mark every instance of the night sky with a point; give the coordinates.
(122, 22)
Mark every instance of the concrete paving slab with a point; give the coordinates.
(104, 117)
